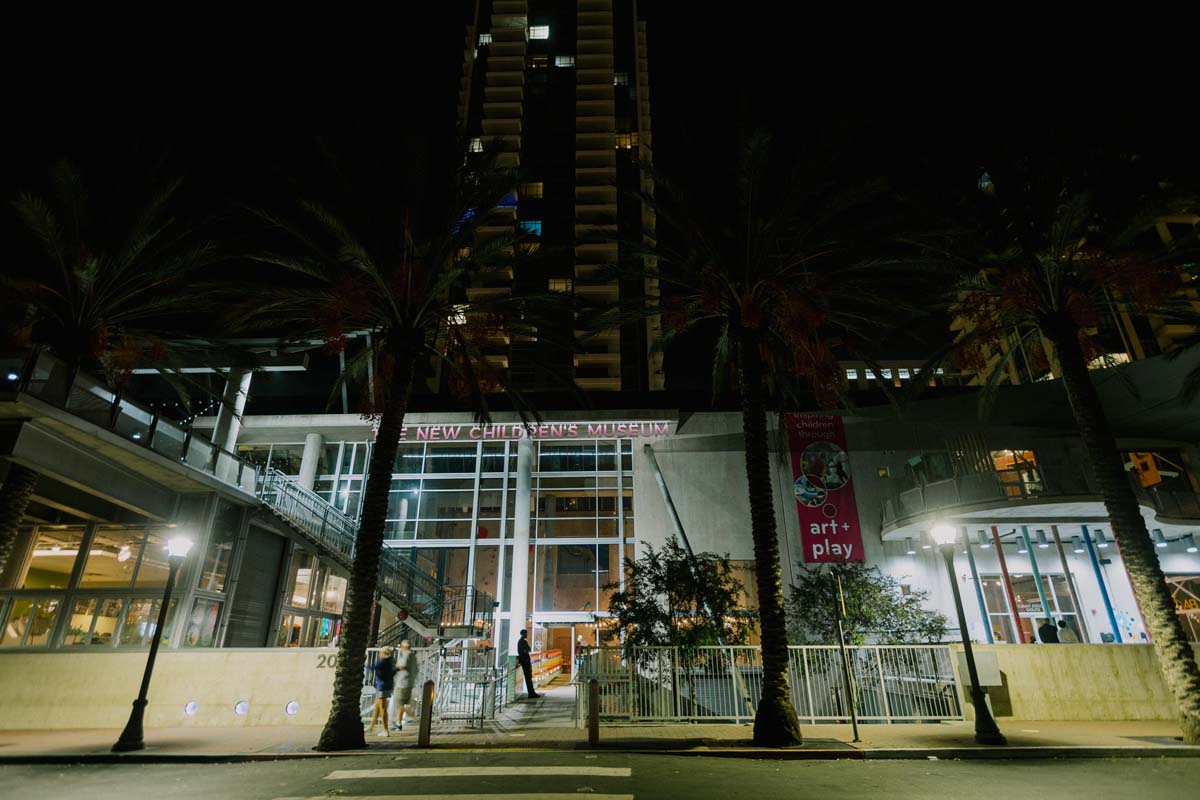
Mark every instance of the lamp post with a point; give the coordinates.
(131, 737)
(986, 731)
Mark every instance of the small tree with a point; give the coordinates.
(875, 608)
(670, 599)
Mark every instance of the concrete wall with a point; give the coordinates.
(96, 690)
(1075, 682)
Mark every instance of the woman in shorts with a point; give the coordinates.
(385, 675)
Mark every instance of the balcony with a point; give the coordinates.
(72, 405)
(1002, 492)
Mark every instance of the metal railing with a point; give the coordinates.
(464, 611)
(467, 685)
(891, 683)
(52, 380)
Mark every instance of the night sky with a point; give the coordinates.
(920, 109)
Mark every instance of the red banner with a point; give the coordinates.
(829, 529)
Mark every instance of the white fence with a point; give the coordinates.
(891, 683)
(467, 686)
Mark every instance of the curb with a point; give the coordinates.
(848, 754)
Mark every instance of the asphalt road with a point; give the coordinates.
(559, 775)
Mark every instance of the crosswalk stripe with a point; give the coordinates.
(478, 772)
(520, 796)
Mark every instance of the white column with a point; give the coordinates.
(233, 402)
(310, 459)
(518, 603)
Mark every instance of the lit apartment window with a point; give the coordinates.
(904, 375)
(464, 253)
(485, 39)
(627, 141)
(539, 31)
(539, 62)
(887, 373)
(476, 145)
(851, 374)
(532, 190)
(620, 79)
(870, 375)
(533, 226)
(561, 285)
(941, 371)
(564, 61)
(458, 316)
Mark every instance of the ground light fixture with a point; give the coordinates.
(132, 737)
(1159, 539)
(1190, 540)
(986, 730)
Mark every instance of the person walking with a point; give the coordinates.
(1047, 632)
(406, 679)
(1066, 635)
(525, 662)
(385, 675)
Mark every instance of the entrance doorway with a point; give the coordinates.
(569, 638)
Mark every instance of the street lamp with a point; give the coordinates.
(986, 731)
(131, 737)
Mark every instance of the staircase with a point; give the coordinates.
(434, 610)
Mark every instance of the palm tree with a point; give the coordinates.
(100, 283)
(1064, 250)
(783, 290)
(347, 261)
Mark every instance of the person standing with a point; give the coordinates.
(1065, 634)
(385, 675)
(406, 679)
(526, 663)
(1047, 632)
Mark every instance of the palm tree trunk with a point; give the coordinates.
(775, 722)
(344, 729)
(14, 499)
(1175, 657)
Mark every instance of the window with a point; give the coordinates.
(54, 556)
(627, 141)
(851, 374)
(485, 39)
(532, 190)
(564, 61)
(563, 285)
(539, 62)
(539, 31)
(904, 375)
(476, 145)
(533, 226)
(870, 374)
(620, 79)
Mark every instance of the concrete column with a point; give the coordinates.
(518, 604)
(309, 460)
(233, 402)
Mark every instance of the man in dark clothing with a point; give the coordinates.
(1048, 633)
(526, 664)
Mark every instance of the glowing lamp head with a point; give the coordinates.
(1190, 541)
(909, 550)
(1159, 539)
(944, 534)
(178, 547)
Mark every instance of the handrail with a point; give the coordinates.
(400, 578)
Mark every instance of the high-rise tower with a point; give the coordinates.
(562, 89)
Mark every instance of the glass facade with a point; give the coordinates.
(451, 510)
(101, 586)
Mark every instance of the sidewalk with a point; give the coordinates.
(548, 723)
(947, 740)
